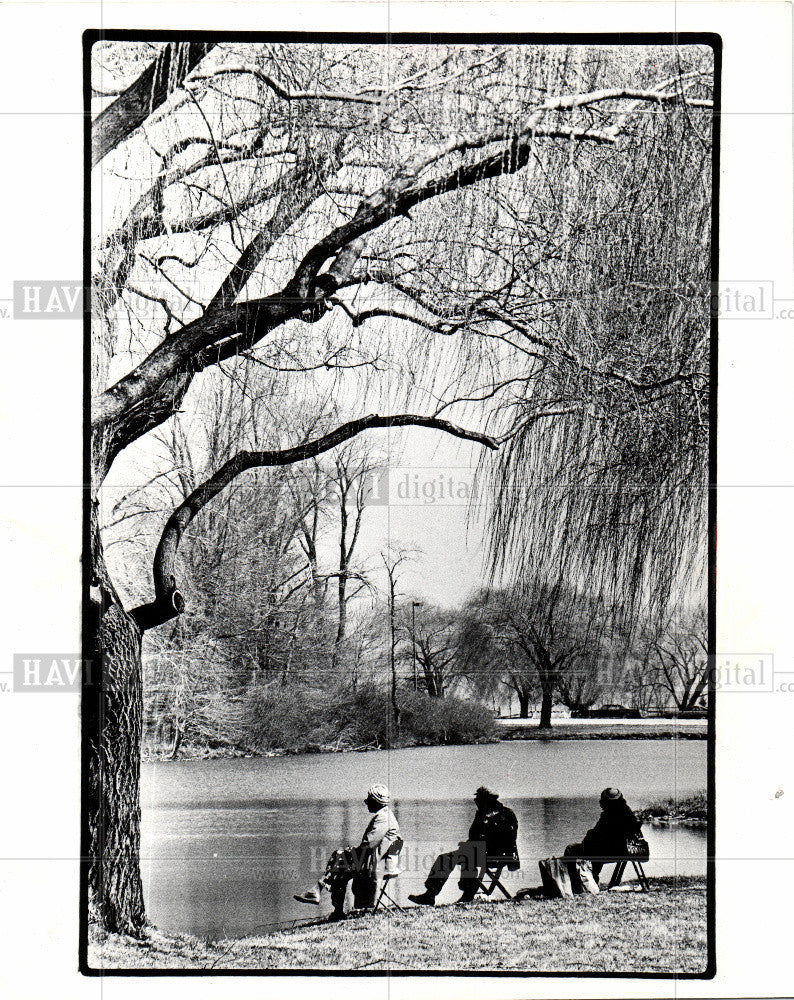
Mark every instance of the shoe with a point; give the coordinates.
(423, 899)
(312, 896)
(534, 892)
(466, 898)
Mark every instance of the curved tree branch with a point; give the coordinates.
(283, 92)
(365, 95)
(168, 601)
(217, 335)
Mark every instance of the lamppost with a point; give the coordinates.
(414, 606)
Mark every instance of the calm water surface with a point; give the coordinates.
(227, 842)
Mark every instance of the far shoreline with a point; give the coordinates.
(682, 731)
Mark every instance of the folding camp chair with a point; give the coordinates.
(492, 870)
(384, 900)
(393, 871)
(620, 867)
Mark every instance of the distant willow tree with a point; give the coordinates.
(469, 219)
(533, 638)
(680, 651)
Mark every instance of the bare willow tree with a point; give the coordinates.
(330, 499)
(393, 560)
(530, 638)
(580, 688)
(679, 649)
(350, 479)
(324, 211)
(433, 635)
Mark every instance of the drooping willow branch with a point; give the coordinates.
(217, 335)
(168, 601)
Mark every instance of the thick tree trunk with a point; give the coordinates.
(430, 681)
(545, 706)
(523, 706)
(112, 717)
(177, 740)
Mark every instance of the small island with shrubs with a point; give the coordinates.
(689, 811)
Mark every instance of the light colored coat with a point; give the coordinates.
(382, 841)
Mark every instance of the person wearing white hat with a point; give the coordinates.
(377, 853)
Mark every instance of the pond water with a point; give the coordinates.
(227, 842)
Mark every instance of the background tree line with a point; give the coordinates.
(285, 640)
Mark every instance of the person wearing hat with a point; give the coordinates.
(616, 825)
(377, 853)
(492, 836)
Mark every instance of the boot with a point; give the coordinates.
(423, 899)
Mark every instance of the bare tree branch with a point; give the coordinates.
(168, 601)
(220, 329)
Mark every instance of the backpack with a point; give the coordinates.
(500, 836)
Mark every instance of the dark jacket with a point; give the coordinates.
(608, 837)
(497, 826)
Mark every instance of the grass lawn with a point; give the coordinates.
(660, 931)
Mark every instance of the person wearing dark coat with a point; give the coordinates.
(616, 825)
(492, 837)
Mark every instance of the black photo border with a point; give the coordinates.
(710, 39)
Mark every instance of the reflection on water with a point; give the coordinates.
(227, 843)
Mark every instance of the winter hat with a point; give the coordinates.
(379, 794)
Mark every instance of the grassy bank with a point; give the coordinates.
(691, 811)
(661, 931)
(193, 751)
